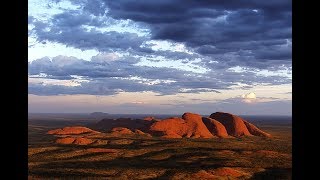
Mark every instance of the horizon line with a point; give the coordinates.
(152, 113)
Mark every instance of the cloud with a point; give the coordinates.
(82, 103)
(252, 33)
(108, 74)
(86, 40)
(250, 95)
(252, 98)
(216, 28)
(249, 98)
(105, 57)
(86, 31)
(211, 36)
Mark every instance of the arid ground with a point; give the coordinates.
(135, 156)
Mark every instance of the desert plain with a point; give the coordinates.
(188, 146)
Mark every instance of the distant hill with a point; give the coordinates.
(99, 114)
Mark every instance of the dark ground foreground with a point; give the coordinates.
(142, 157)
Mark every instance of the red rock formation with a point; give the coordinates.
(76, 140)
(255, 131)
(196, 127)
(233, 124)
(132, 124)
(190, 126)
(170, 128)
(82, 141)
(121, 130)
(139, 132)
(215, 127)
(149, 118)
(71, 130)
(67, 140)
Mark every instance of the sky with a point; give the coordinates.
(160, 57)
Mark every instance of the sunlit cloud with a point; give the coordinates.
(249, 98)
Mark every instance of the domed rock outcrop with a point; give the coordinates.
(74, 130)
(74, 140)
(196, 127)
(67, 140)
(139, 132)
(121, 130)
(170, 128)
(82, 141)
(215, 127)
(132, 124)
(190, 125)
(233, 124)
(149, 118)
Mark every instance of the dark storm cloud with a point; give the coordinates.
(110, 76)
(199, 90)
(254, 32)
(69, 28)
(75, 18)
(171, 55)
(40, 89)
(123, 67)
(258, 26)
(71, 19)
(84, 40)
(179, 8)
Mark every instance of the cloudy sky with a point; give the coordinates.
(162, 57)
